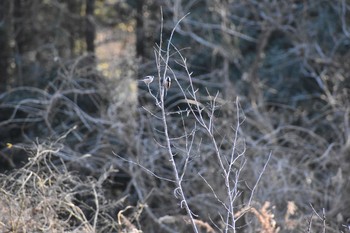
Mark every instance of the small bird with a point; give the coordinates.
(167, 84)
(148, 80)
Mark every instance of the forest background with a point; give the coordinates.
(252, 136)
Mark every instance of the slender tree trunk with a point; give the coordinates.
(20, 42)
(5, 50)
(140, 35)
(90, 26)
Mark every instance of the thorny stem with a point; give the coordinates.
(209, 129)
(231, 177)
(178, 180)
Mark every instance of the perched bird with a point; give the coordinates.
(166, 84)
(148, 80)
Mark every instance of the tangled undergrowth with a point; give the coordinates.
(84, 170)
(267, 153)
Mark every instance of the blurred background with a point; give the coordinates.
(72, 106)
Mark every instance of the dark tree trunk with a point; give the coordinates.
(20, 41)
(90, 26)
(140, 35)
(139, 30)
(74, 25)
(5, 50)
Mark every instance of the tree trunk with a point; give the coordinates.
(5, 50)
(90, 26)
(139, 30)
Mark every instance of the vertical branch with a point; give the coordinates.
(257, 182)
(209, 129)
(179, 190)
